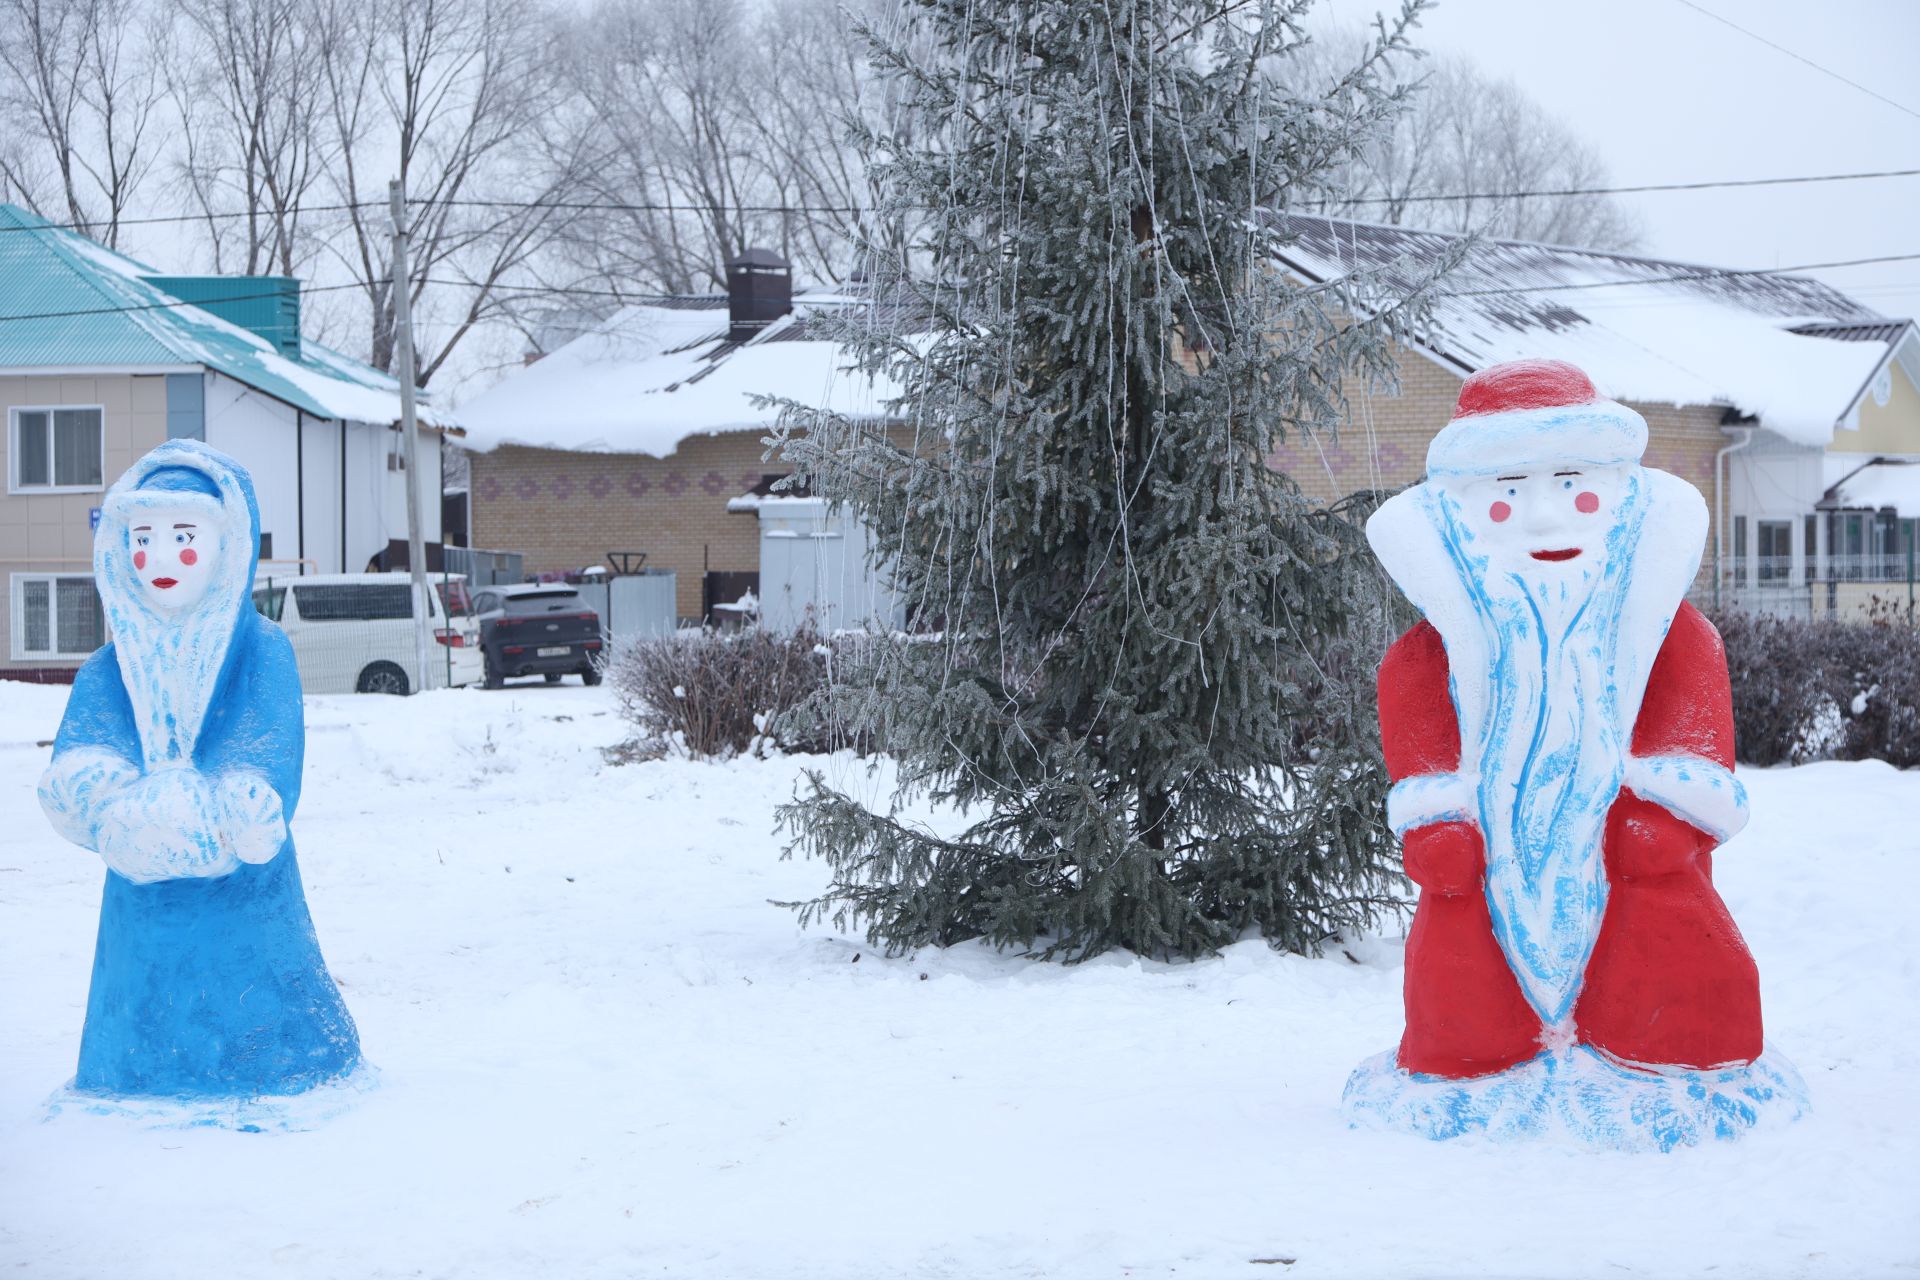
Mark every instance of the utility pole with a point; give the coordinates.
(409, 429)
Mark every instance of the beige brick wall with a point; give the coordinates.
(49, 532)
(1384, 442)
(568, 510)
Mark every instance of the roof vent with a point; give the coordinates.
(266, 306)
(759, 291)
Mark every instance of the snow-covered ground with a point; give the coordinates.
(602, 1053)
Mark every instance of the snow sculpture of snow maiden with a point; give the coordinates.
(1560, 733)
(179, 762)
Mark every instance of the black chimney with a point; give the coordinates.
(759, 291)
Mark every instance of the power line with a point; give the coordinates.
(101, 224)
(668, 206)
(255, 296)
(1799, 57)
(1637, 190)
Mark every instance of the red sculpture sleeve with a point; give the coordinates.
(1688, 706)
(1419, 729)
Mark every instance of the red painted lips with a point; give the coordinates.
(1567, 554)
(164, 583)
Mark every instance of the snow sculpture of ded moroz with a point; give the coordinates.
(1559, 730)
(179, 762)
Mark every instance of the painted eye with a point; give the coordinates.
(1512, 492)
(1499, 511)
(1588, 502)
(1567, 485)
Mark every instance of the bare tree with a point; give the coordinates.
(77, 97)
(449, 96)
(247, 87)
(1468, 134)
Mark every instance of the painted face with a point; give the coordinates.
(175, 551)
(1543, 518)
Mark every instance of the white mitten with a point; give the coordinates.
(77, 784)
(252, 821)
(165, 827)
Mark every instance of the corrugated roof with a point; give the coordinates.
(1646, 330)
(1854, 331)
(66, 302)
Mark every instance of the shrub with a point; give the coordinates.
(1824, 690)
(716, 694)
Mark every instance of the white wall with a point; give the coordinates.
(815, 558)
(260, 433)
(1772, 479)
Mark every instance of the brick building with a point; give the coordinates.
(634, 436)
(1790, 406)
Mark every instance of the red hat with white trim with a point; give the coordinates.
(1528, 413)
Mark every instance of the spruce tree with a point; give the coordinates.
(1139, 660)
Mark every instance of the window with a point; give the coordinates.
(358, 601)
(1776, 550)
(1809, 545)
(57, 449)
(56, 616)
(270, 602)
(1740, 549)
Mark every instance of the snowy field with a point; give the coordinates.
(603, 1054)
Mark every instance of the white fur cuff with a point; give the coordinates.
(1691, 788)
(1428, 798)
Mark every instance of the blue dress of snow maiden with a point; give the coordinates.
(179, 762)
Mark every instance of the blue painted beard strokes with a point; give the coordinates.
(1548, 753)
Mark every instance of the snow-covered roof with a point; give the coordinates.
(68, 303)
(1788, 350)
(661, 371)
(1856, 483)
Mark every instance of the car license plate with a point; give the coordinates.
(555, 651)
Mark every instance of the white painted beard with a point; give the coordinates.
(1551, 762)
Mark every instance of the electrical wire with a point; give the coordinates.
(669, 206)
(1799, 57)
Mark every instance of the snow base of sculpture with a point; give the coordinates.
(287, 1113)
(1576, 1097)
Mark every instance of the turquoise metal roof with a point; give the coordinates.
(66, 302)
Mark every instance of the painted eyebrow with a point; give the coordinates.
(195, 526)
(1509, 477)
(1557, 473)
(143, 528)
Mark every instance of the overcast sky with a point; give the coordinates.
(1667, 94)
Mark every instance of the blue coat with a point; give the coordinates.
(205, 985)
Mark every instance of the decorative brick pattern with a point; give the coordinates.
(567, 510)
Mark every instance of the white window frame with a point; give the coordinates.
(13, 450)
(17, 617)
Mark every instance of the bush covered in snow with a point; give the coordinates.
(1824, 690)
(715, 694)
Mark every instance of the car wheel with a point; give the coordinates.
(491, 678)
(382, 677)
(590, 676)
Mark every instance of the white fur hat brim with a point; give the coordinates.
(1600, 433)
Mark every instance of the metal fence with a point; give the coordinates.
(1848, 588)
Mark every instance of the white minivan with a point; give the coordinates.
(353, 632)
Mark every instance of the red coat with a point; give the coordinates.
(1670, 981)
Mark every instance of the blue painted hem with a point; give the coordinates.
(1577, 1097)
(295, 1113)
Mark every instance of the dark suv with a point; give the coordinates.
(537, 629)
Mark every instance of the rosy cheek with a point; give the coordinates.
(1499, 512)
(139, 559)
(1587, 503)
(190, 556)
